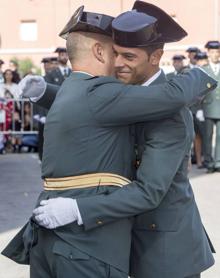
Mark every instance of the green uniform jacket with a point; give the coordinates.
(168, 240)
(55, 76)
(211, 103)
(87, 131)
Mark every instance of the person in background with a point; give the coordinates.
(192, 51)
(59, 74)
(1, 72)
(46, 61)
(54, 63)
(13, 65)
(178, 64)
(211, 108)
(201, 59)
(9, 84)
(40, 112)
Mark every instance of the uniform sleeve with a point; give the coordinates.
(113, 103)
(49, 96)
(164, 152)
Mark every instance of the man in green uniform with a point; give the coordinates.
(178, 64)
(88, 148)
(211, 108)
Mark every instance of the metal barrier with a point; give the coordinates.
(16, 116)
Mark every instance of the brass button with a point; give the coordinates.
(209, 85)
(153, 226)
(99, 222)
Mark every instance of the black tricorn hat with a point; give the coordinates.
(178, 57)
(201, 56)
(193, 49)
(88, 22)
(53, 59)
(212, 45)
(60, 50)
(46, 60)
(158, 27)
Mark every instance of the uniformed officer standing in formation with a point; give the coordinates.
(192, 51)
(178, 64)
(40, 112)
(211, 108)
(60, 73)
(201, 59)
(91, 117)
(55, 73)
(199, 120)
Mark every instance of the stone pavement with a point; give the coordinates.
(20, 185)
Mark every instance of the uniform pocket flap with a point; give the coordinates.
(70, 252)
(158, 220)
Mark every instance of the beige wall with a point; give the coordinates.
(199, 17)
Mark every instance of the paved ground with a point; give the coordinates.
(20, 184)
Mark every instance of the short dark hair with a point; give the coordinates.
(151, 48)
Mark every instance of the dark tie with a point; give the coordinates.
(65, 73)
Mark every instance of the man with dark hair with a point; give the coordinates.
(91, 116)
(192, 51)
(178, 64)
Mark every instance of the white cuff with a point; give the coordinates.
(35, 99)
(79, 218)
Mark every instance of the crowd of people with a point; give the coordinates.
(18, 117)
(206, 115)
(56, 70)
(15, 114)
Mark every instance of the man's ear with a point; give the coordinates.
(156, 56)
(98, 52)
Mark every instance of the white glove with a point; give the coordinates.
(37, 117)
(32, 86)
(43, 120)
(56, 212)
(200, 116)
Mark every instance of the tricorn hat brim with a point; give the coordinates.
(169, 29)
(88, 22)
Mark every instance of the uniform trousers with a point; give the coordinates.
(209, 125)
(52, 257)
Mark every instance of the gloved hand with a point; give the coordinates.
(43, 120)
(200, 116)
(56, 212)
(32, 86)
(37, 117)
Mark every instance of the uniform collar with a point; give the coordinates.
(81, 75)
(153, 78)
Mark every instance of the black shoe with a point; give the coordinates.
(210, 170)
(217, 169)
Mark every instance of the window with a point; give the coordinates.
(28, 30)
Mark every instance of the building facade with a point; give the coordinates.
(30, 28)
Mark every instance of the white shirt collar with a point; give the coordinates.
(154, 77)
(215, 67)
(62, 69)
